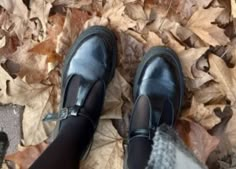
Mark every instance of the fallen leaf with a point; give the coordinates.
(224, 76)
(16, 7)
(35, 98)
(9, 44)
(22, 158)
(72, 3)
(224, 148)
(33, 67)
(181, 10)
(204, 115)
(169, 40)
(231, 129)
(73, 24)
(131, 52)
(209, 93)
(101, 21)
(118, 19)
(48, 47)
(224, 18)
(40, 10)
(135, 11)
(197, 139)
(107, 150)
(189, 58)
(201, 24)
(233, 8)
(117, 92)
(153, 40)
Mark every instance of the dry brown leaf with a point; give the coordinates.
(35, 98)
(202, 114)
(74, 22)
(201, 24)
(16, 7)
(224, 18)
(48, 46)
(131, 52)
(96, 21)
(107, 150)
(135, 11)
(211, 92)
(233, 8)
(188, 59)
(181, 10)
(197, 139)
(153, 40)
(9, 44)
(118, 91)
(118, 19)
(231, 129)
(193, 67)
(72, 3)
(40, 10)
(25, 157)
(169, 40)
(224, 76)
(33, 67)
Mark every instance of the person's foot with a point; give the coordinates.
(158, 94)
(89, 67)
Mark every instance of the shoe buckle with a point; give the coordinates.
(64, 113)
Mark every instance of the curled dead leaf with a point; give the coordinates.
(25, 157)
(197, 139)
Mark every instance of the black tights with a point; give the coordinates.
(76, 132)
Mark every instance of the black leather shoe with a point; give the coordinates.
(159, 79)
(92, 58)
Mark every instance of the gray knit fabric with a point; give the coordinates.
(169, 152)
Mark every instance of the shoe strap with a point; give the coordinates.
(66, 112)
(146, 133)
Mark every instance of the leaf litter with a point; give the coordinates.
(35, 37)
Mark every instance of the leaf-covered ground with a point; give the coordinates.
(36, 35)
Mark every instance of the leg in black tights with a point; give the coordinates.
(75, 132)
(139, 147)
